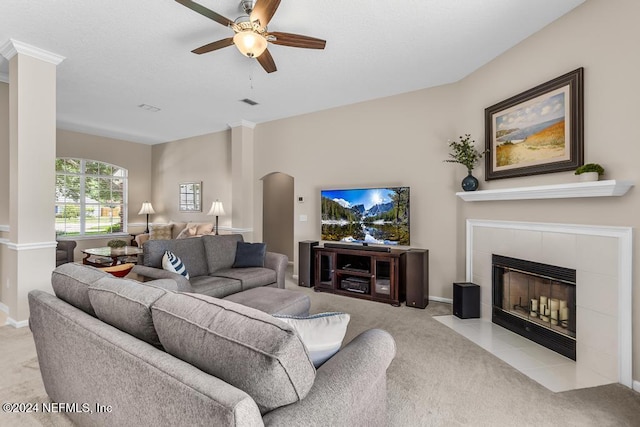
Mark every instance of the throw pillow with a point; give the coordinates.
(250, 255)
(322, 333)
(171, 262)
(160, 232)
(187, 232)
(205, 228)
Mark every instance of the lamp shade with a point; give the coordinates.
(216, 208)
(146, 209)
(250, 43)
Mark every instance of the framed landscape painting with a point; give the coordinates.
(538, 131)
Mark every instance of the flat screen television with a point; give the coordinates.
(366, 215)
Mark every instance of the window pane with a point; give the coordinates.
(68, 165)
(104, 206)
(92, 168)
(106, 170)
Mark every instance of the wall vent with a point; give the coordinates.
(249, 101)
(150, 108)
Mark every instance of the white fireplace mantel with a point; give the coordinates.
(557, 191)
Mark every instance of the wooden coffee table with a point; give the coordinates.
(116, 254)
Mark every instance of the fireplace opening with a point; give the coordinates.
(537, 301)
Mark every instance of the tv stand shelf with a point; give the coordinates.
(359, 273)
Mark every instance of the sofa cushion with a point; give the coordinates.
(249, 255)
(250, 278)
(247, 348)
(71, 284)
(321, 333)
(177, 228)
(220, 250)
(190, 251)
(217, 287)
(126, 305)
(173, 263)
(160, 232)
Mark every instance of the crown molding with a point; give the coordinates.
(243, 123)
(12, 47)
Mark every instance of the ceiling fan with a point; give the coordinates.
(251, 35)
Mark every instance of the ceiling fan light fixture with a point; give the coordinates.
(250, 43)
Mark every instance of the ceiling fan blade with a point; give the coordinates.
(266, 60)
(206, 12)
(263, 11)
(296, 40)
(213, 46)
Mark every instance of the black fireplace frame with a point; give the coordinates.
(553, 340)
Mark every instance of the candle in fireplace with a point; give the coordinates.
(534, 308)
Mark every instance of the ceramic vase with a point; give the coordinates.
(589, 176)
(470, 182)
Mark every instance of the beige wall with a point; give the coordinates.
(205, 158)
(396, 141)
(601, 37)
(401, 140)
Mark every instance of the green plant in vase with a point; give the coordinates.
(116, 244)
(465, 153)
(589, 172)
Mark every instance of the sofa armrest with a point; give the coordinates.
(349, 389)
(157, 273)
(141, 238)
(277, 262)
(67, 245)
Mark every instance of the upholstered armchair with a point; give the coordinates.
(64, 251)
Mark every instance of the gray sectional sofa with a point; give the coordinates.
(159, 357)
(209, 261)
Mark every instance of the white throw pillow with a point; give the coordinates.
(171, 262)
(322, 333)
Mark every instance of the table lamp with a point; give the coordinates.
(216, 209)
(146, 209)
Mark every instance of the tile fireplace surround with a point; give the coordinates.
(602, 258)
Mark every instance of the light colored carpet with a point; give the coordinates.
(438, 377)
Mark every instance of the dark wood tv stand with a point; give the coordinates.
(360, 273)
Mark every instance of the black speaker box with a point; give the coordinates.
(466, 300)
(306, 270)
(414, 275)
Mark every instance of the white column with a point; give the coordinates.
(30, 257)
(242, 178)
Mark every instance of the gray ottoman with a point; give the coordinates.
(273, 300)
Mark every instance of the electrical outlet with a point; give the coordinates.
(303, 218)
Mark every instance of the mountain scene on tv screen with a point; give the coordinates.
(374, 215)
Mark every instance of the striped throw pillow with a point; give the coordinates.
(171, 262)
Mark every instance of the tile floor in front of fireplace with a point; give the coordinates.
(548, 368)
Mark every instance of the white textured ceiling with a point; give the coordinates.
(123, 53)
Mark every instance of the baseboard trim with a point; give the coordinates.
(440, 299)
(636, 386)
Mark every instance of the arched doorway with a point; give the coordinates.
(277, 213)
